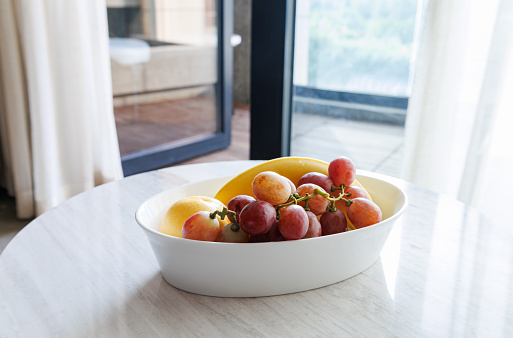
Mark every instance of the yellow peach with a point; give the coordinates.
(184, 208)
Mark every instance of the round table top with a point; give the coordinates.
(85, 268)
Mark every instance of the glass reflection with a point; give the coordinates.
(390, 256)
(164, 71)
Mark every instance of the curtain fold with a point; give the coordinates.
(14, 115)
(456, 94)
(489, 105)
(61, 134)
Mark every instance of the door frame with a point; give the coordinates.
(272, 51)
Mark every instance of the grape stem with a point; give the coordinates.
(331, 207)
(224, 213)
(227, 213)
(335, 188)
(295, 198)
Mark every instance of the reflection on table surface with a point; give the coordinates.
(85, 268)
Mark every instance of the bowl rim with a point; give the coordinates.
(359, 173)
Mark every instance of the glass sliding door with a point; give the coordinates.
(351, 70)
(352, 78)
(171, 64)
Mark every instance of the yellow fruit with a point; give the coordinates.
(291, 167)
(184, 208)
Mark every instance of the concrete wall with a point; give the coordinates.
(242, 52)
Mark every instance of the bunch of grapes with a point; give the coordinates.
(280, 211)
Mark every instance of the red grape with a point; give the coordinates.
(293, 222)
(257, 217)
(317, 178)
(273, 235)
(317, 204)
(342, 170)
(333, 222)
(237, 203)
(314, 226)
(271, 187)
(257, 239)
(363, 212)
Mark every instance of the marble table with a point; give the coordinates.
(86, 269)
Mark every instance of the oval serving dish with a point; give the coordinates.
(266, 269)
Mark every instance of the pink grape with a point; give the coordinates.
(355, 191)
(342, 170)
(201, 227)
(292, 186)
(317, 178)
(333, 222)
(271, 187)
(363, 212)
(227, 234)
(293, 222)
(314, 226)
(257, 217)
(237, 203)
(316, 204)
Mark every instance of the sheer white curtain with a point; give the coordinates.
(461, 102)
(57, 125)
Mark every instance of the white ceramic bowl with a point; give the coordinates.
(265, 269)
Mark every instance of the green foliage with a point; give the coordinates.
(361, 44)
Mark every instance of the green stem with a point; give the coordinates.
(306, 203)
(224, 213)
(335, 188)
(331, 206)
(294, 200)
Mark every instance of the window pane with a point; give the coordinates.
(362, 46)
(352, 76)
(164, 71)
